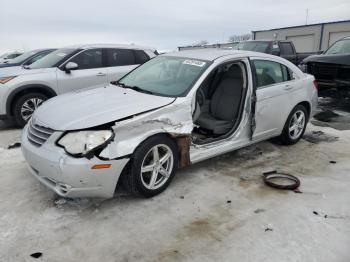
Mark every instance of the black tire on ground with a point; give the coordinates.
(132, 180)
(20, 121)
(293, 184)
(286, 137)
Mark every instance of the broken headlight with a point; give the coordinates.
(82, 143)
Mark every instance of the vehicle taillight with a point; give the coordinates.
(315, 84)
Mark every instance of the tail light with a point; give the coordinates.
(315, 84)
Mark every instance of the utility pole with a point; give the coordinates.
(307, 15)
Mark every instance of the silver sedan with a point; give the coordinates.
(177, 109)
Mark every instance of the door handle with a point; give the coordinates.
(100, 74)
(288, 87)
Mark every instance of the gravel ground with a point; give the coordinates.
(217, 210)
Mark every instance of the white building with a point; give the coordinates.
(308, 38)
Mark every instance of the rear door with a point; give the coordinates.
(288, 52)
(274, 95)
(120, 61)
(91, 72)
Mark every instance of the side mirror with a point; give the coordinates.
(70, 66)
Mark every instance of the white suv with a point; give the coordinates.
(64, 70)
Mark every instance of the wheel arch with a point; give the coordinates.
(20, 91)
(183, 146)
(307, 105)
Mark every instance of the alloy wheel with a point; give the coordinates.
(29, 106)
(297, 124)
(157, 166)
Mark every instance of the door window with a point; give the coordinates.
(120, 57)
(286, 49)
(269, 73)
(140, 57)
(275, 49)
(88, 59)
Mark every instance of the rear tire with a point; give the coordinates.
(295, 126)
(152, 167)
(25, 106)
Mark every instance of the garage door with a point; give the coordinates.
(303, 43)
(335, 36)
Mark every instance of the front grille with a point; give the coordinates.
(37, 134)
(324, 71)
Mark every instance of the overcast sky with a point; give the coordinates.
(162, 24)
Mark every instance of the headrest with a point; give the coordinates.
(234, 72)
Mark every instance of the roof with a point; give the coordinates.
(288, 27)
(131, 46)
(210, 54)
(210, 45)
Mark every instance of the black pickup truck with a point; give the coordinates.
(331, 68)
(282, 48)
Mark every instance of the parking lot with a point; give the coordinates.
(215, 210)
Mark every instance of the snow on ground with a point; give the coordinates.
(217, 210)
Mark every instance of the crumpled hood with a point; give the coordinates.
(93, 107)
(340, 59)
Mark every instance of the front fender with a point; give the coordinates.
(175, 120)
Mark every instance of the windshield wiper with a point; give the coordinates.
(136, 88)
(116, 83)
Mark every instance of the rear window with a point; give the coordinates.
(253, 46)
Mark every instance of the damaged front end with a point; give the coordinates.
(88, 162)
(174, 120)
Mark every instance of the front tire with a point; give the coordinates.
(295, 126)
(25, 106)
(152, 167)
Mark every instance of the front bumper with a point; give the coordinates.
(69, 176)
(4, 90)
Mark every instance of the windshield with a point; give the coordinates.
(52, 59)
(23, 57)
(253, 46)
(10, 56)
(165, 76)
(340, 47)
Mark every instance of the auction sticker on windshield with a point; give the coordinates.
(194, 63)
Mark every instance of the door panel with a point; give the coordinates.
(275, 88)
(272, 108)
(78, 79)
(90, 72)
